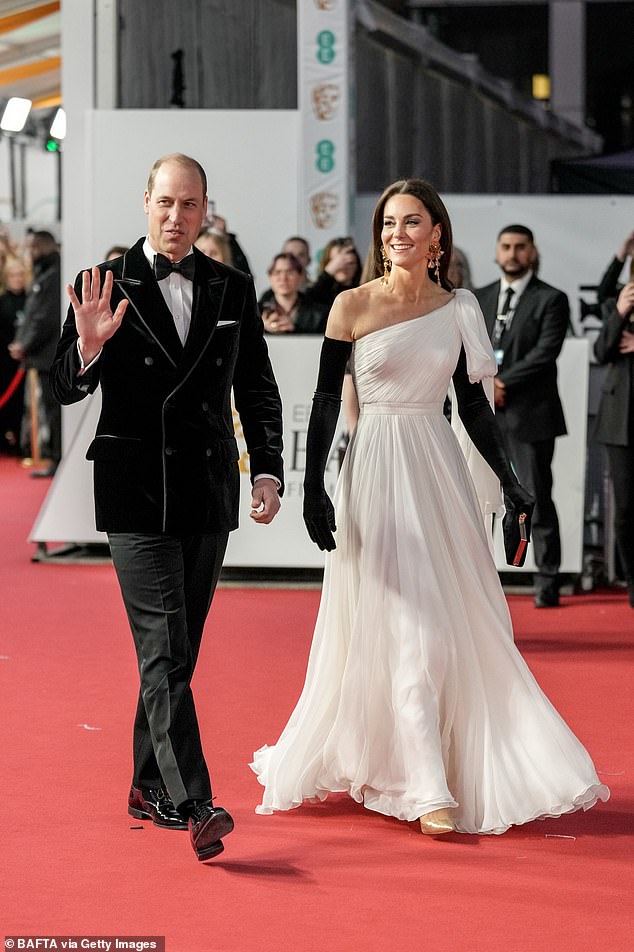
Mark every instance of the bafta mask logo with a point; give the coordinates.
(325, 98)
(243, 463)
(326, 4)
(323, 208)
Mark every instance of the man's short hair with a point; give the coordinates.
(180, 159)
(517, 230)
(43, 235)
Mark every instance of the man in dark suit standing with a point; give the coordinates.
(615, 418)
(167, 333)
(527, 322)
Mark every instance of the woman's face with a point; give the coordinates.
(15, 278)
(210, 247)
(285, 280)
(407, 231)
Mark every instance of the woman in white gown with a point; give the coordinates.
(416, 701)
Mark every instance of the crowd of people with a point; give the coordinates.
(30, 315)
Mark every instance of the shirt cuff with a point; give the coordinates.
(267, 476)
(84, 367)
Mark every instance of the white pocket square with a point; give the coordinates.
(226, 323)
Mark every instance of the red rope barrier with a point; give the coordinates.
(13, 386)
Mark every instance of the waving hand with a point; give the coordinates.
(93, 315)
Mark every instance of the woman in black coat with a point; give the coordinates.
(284, 307)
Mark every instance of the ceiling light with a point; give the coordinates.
(15, 114)
(58, 126)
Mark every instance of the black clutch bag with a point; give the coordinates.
(516, 526)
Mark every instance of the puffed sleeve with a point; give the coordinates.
(481, 366)
(480, 360)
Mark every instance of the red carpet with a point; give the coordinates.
(327, 878)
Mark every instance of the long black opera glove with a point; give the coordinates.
(319, 513)
(485, 434)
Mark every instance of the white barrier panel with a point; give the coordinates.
(67, 515)
(285, 542)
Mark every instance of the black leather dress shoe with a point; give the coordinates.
(547, 600)
(207, 826)
(155, 805)
(47, 473)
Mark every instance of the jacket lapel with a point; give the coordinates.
(209, 292)
(148, 309)
(490, 306)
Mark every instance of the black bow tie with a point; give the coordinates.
(163, 267)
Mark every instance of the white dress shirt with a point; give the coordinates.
(178, 292)
(518, 288)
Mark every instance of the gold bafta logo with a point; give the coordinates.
(323, 208)
(326, 4)
(325, 100)
(243, 462)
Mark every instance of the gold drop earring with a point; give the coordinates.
(387, 267)
(434, 255)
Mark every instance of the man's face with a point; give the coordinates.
(299, 249)
(175, 209)
(39, 249)
(514, 254)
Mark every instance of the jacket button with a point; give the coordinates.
(148, 361)
(207, 452)
(205, 406)
(219, 362)
(168, 450)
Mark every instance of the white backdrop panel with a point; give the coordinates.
(249, 157)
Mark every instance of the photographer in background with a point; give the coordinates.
(284, 307)
(216, 225)
(339, 269)
(609, 286)
(614, 425)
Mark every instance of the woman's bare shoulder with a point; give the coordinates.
(348, 306)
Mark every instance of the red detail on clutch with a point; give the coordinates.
(517, 558)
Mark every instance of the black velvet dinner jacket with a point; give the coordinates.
(531, 346)
(165, 454)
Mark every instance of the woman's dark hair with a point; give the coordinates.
(430, 198)
(294, 262)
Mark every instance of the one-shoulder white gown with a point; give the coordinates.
(415, 696)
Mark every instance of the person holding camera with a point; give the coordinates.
(614, 425)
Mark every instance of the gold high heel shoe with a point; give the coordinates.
(437, 822)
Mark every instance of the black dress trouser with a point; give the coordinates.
(532, 463)
(621, 460)
(167, 583)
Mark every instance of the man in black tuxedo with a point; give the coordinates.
(168, 333)
(527, 321)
